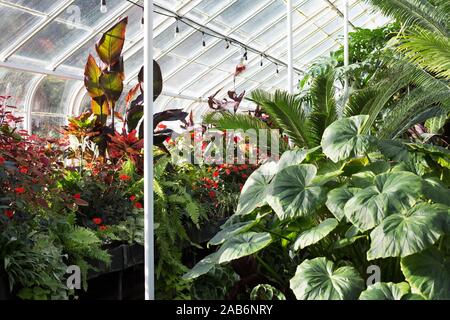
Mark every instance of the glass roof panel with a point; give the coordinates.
(44, 6)
(51, 41)
(14, 23)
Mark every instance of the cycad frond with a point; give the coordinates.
(359, 100)
(230, 121)
(323, 104)
(416, 107)
(428, 50)
(416, 12)
(287, 113)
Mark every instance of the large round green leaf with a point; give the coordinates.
(436, 191)
(291, 158)
(243, 245)
(294, 194)
(386, 291)
(253, 194)
(343, 139)
(337, 198)
(319, 279)
(403, 234)
(428, 273)
(390, 193)
(315, 234)
(230, 231)
(202, 267)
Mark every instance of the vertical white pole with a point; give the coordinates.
(346, 44)
(148, 152)
(290, 48)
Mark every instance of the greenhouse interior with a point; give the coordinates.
(295, 150)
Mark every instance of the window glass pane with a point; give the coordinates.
(14, 24)
(15, 84)
(44, 6)
(47, 126)
(52, 95)
(51, 41)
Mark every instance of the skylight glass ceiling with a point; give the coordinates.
(45, 43)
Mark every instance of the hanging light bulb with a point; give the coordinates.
(262, 62)
(142, 20)
(203, 39)
(227, 46)
(177, 29)
(278, 70)
(103, 7)
(245, 54)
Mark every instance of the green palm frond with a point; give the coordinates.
(230, 121)
(416, 107)
(286, 111)
(359, 101)
(416, 12)
(428, 50)
(323, 104)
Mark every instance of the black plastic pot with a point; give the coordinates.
(4, 286)
(123, 279)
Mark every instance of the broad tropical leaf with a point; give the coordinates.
(202, 267)
(406, 233)
(109, 47)
(389, 193)
(256, 188)
(100, 106)
(92, 74)
(343, 139)
(266, 292)
(386, 291)
(230, 231)
(243, 245)
(319, 279)
(337, 198)
(112, 84)
(292, 157)
(428, 273)
(294, 194)
(315, 234)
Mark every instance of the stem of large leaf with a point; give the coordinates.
(268, 268)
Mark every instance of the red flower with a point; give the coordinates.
(244, 176)
(216, 174)
(9, 213)
(168, 139)
(161, 126)
(236, 139)
(19, 190)
(235, 169)
(212, 194)
(102, 228)
(138, 205)
(77, 196)
(244, 167)
(132, 198)
(23, 170)
(228, 172)
(97, 221)
(124, 177)
(2, 160)
(240, 186)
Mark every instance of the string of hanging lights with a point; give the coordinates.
(206, 31)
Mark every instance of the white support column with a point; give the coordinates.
(148, 153)
(346, 44)
(290, 68)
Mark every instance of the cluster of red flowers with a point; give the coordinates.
(98, 222)
(136, 204)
